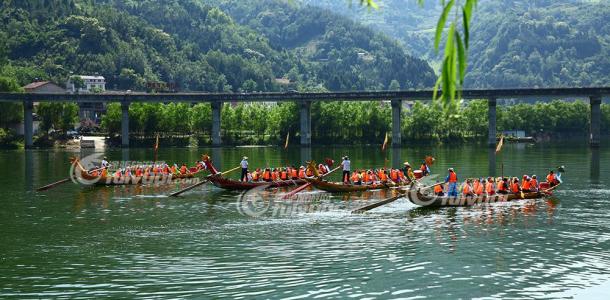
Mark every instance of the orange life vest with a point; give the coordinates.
(438, 189)
(515, 188)
(294, 173)
(255, 176)
(355, 177)
(526, 185)
(174, 169)
(366, 177)
(394, 175)
(478, 188)
(490, 189)
(283, 175)
(466, 189)
(104, 172)
(534, 183)
(301, 173)
(267, 175)
(550, 178)
(453, 177)
(183, 170)
(274, 176)
(382, 176)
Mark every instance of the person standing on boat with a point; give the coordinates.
(244, 169)
(346, 164)
(452, 180)
(105, 164)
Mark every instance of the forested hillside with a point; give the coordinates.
(513, 43)
(200, 47)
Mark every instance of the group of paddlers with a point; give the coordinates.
(491, 186)
(280, 173)
(383, 175)
(358, 177)
(157, 169)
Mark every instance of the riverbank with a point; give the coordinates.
(193, 141)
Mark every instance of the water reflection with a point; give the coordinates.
(217, 158)
(29, 170)
(453, 224)
(492, 162)
(396, 160)
(305, 154)
(595, 168)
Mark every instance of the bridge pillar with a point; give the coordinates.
(216, 123)
(125, 124)
(305, 123)
(28, 124)
(396, 122)
(492, 122)
(595, 102)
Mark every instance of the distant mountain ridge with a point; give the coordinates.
(513, 43)
(200, 46)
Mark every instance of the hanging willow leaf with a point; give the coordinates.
(455, 58)
(441, 24)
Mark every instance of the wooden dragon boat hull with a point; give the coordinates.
(417, 198)
(337, 187)
(234, 185)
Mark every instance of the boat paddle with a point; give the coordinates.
(377, 204)
(385, 201)
(176, 194)
(54, 184)
(293, 192)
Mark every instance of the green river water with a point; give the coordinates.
(134, 242)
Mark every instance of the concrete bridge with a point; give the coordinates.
(304, 101)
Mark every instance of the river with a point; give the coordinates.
(125, 242)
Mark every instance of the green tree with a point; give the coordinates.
(394, 85)
(10, 113)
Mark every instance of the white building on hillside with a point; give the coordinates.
(90, 84)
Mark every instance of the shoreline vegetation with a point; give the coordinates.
(336, 123)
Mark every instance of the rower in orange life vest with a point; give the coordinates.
(515, 187)
(503, 187)
(478, 187)
(534, 186)
(552, 179)
(526, 184)
(452, 179)
(467, 190)
(294, 173)
(438, 189)
(301, 172)
(356, 178)
(267, 175)
(490, 187)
